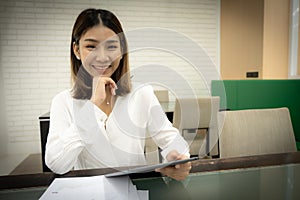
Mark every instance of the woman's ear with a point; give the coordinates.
(76, 50)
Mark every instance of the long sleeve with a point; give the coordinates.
(74, 127)
(64, 143)
(161, 129)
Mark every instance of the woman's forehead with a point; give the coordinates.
(99, 34)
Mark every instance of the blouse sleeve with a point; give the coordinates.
(69, 133)
(162, 131)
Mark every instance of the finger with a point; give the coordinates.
(164, 171)
(98, 86)
(169, 171)
(172, 155)
(113, 84)
(107, 81)
(158, 170)
(175, 174)
(112, 89)
(98, 91)
(182, 157)
(186, 165)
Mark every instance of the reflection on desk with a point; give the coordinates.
(274, 176)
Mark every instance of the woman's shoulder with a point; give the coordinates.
(141, 93)
(142, 88)
(64, 95)
(61, 101)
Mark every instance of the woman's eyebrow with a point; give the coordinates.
(106, 41)
(112, 41)
(91, 40)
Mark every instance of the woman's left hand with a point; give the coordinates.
(179, 171)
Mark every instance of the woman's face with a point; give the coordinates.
(99, 50)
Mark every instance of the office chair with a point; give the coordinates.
(196, 120)
(256, 132)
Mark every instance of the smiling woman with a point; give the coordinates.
(99, 49)
(104, 119)
(92, 37)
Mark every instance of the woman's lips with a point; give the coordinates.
(101, 69)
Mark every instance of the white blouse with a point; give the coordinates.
(82, 136)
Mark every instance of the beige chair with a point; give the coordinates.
(196, 119)
(162, 95)
(151, 151)
(255, 132)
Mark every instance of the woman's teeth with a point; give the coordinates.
(101, 67)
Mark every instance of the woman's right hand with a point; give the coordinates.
(101, 86)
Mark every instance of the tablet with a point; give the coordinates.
(150, 168)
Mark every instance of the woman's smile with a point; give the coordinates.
(101, 68)
(100, 51)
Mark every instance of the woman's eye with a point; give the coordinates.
(112, 47)
(91, 47)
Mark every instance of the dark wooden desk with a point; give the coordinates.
(204, 165)
(274, 176)
(32, 164)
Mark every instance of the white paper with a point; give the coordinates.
(75, 188)
(92, 188)
(116, 188)
(133, 192)
(143, 194)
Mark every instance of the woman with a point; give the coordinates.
(103, 120)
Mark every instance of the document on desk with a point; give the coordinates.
(93, 188)
(149, 168)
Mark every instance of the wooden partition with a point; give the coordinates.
(241, 37)
(255, 38)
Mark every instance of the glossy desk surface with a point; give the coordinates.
(274, 176)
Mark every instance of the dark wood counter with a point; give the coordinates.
(204, 165)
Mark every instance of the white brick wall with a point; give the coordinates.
(34, 59)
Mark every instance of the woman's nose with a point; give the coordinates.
(101, 55)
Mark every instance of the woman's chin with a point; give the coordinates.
(102, 74)
(98, 73)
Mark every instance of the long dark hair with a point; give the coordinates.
(82, 82)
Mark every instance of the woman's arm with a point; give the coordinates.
(64, 142)
(167, 137)
(161, 129)
(75, 125)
